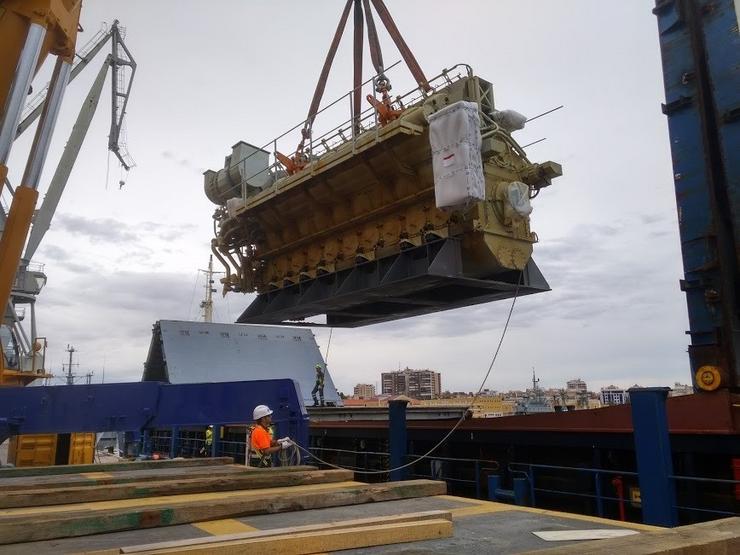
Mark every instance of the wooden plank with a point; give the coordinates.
(324, 540)
(122, 477)
(63, 521)
(248, 480)
(335, 525)
(134, 475)
(110, 467)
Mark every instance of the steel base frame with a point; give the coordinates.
(420, 280)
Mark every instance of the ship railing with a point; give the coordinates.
(480, 469)
(687, 487)
(355, 460)
(349, 131)
(596, 492)
(626, 486)
(472, 473)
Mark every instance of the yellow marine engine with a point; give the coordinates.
(412, 207)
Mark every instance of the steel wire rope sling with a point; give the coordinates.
(382, 83)
(385, 111)
(459, 422)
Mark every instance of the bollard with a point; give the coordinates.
(653, 452)
(494, 483)
(521, 491)
(398, 438)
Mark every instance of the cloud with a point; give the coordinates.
(97, 230)
(112, 317)
(53, 252)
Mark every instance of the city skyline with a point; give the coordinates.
(574, 387)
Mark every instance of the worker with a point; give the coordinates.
(318, 386)
(205, 451)
(261, 443)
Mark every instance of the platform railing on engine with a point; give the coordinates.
(346, 132)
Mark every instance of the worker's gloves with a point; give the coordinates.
(285, 442)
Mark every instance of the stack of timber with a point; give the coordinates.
(105, 499)
(313, 538)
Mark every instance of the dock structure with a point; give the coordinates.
(215, 506)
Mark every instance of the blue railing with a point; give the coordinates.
(351, 462)
(533, 471)
(378, 460)
(436, 470)
(472, 474)
(734, 485)
(597, 486)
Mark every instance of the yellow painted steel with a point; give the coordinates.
(33, 450)
(82, 448)
(60, 18)
(708, 377)
(42, 449)
(373, 196)
(14, 238)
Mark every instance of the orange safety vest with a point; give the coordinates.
(255, 456)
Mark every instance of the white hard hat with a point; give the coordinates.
(260, 411)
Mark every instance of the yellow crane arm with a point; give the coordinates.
(29, 31)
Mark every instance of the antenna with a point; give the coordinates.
(207, 303)
(70, 376)
(544, 113)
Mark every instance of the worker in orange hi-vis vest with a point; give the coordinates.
(261, 443)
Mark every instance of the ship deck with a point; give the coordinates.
(213, 507)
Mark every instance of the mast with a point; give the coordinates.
(207, 303)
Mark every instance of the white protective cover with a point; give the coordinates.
(518, 194)
(454, 135)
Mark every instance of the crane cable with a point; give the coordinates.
(328, 346)
(375, 54)
(459, 422)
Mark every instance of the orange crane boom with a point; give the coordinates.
(29, 31)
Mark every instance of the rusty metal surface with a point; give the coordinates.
(717, 413)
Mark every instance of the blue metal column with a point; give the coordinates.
(653, 451)
(215, 446)
(398, 438)
(174, 443)
(146, 443)
(699, 50)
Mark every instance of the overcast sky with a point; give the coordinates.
(210, 74)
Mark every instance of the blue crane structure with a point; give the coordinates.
(142, 406)
(700, 49)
